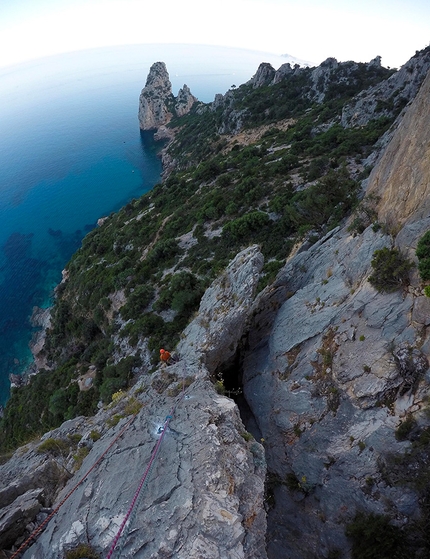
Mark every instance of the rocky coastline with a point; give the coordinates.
(333, 374)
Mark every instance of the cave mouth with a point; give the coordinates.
(230, 373)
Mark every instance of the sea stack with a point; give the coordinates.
(157, 104)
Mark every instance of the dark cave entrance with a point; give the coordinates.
(230, 373)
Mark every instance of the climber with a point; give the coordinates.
(168, 358)
(165, 356)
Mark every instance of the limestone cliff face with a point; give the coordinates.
(155, 98)
(157, 104)
(402, 177)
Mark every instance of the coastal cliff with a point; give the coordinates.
(297, 412)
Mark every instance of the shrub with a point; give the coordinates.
(405, 428)
(55, 447)
(423, 255)
(390, 269)
(219, 387)
(133, 406)
(83, 550)
(114, 420)
(137, 301)
(95, 435)
(423, 246)
(81, 453)
(373, 537)
(246, 225)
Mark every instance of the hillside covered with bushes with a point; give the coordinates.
(274, 164)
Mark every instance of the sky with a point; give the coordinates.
(310, 30)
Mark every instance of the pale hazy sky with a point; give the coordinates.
(310, 30)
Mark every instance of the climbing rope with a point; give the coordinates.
(136, 495)
(39, 529)
(122, 534)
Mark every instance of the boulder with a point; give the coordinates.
(15, 517)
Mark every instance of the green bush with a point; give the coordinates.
(137, 301)
(423, 246)
(424, 268)
(390, 269)
(82, 551)
(405, 428)
(247, 224)
(423, 255)
(55, 447)
(373, 537)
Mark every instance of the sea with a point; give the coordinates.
(71, 152)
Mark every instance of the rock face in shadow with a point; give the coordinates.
(332, 368)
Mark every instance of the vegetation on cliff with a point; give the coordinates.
(138, 278)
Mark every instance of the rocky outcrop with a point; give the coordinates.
(41, 320)
(281, 73)
(390, 96)
(184, 101)
(331, 369)
(264, 75)
(156, 99)
(157, 104)
(14, 520)
(321, 77)
(213, 337)
(28, 485)
(204, 495)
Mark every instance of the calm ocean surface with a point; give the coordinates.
(71, 152)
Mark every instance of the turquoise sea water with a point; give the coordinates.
(71, 151)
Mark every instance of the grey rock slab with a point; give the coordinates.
(421, 310)
(206, 488)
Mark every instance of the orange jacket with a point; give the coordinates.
(164, 355)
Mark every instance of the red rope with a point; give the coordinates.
(141, 484)
(37, 531)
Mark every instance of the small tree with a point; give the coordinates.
(390, 269)
(373, 537)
